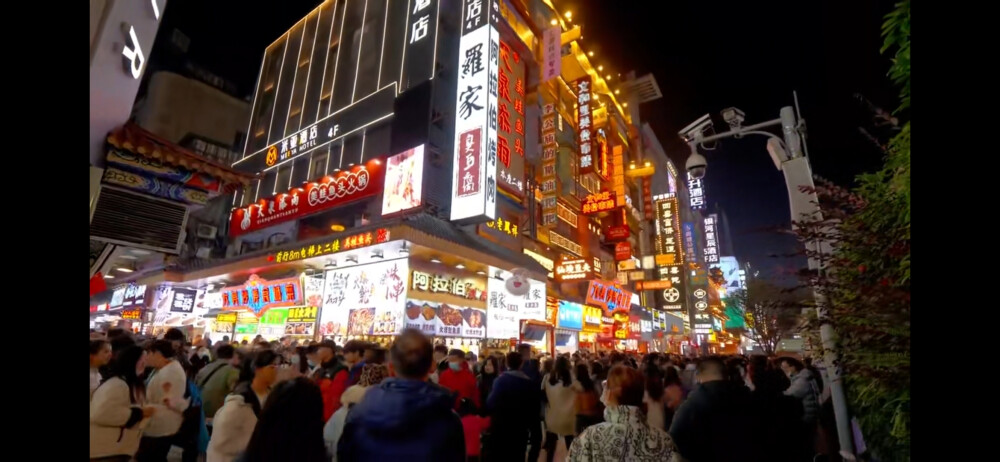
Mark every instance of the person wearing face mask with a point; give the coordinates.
(624, 435)
(459, 379)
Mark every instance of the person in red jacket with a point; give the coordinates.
(331, 376)
(459, 379)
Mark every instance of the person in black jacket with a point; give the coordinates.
(779, 417)
(513, 405)
(704, 427)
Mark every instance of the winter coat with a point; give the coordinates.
(167, 384)
(473, 427)
(778, 418)
(216, 381)
(332, 380)
(233, 425)
(804, 388)
(513, 404)
(703, 425)
(623, 436)
(560, 407)
(335, 426)
(403, 419)
(116, 422)
(461, 382)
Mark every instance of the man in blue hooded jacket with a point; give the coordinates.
(405, 417)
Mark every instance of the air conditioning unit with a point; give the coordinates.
(204, 231)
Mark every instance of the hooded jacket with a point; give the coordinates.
(233, 425)
(703, 426)
(115, 422)
(462, 382)
(403, 419)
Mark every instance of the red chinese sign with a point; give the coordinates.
(608, 295)
(259, 295)
(617, 233)
(345, 243)
(358, 182)
(584, 126)
(510, 121)
(647, 198)
(623, 251)
(600, 202)
(470, 147)
(602, 158)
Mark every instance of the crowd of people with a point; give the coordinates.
(276, 401)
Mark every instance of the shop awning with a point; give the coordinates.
(135, 139)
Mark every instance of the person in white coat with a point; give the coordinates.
(560, 407)
(234, 423)
(165, 389)
(116, 415)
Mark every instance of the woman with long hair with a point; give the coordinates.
(488, 374)
(100, 356)
(117, 415)
(560, 406)
(290, 425)
(673, 394)
(589, 409)
(653, 397)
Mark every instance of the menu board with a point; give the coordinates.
(506, 310)
(246, 322)
(355, 299)
(224, 323)
(272, 322)
(301, 320)
(444, 319)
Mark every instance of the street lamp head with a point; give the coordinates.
(696, 164)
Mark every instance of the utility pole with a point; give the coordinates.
(791, 157)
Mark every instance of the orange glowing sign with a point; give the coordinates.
(600, 202)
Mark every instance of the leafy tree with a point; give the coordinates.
(866, 281)
(771, 313)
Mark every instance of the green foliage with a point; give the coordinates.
(867, 282)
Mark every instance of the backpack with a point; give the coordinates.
(193, 429)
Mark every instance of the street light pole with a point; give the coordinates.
(804, 206)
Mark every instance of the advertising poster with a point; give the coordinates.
(443, 319)
(355, 298)
(570, 316)
(224, 323)
(506, 310)
(272, 323)
(183, 300)
(404, 177)
(301, 320)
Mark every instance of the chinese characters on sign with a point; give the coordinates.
(623, 251)
(551, 40)
(567, 215)
(569, 270)
(476, 114)
(617, 233)
(300, 142)
(337, 245)
(503, 226)
(183, 301)
(328, 192)
(259, 295)
(561, 241)
(711, 239)
(647, 197)
(696, 192)
(436, 283)
(585, 128)
(550, 149)
(421, 39)
(668, 230)
(129, 295)
(600, 202)
(618, 175)
(510, 120)
(670, 293)
(131, 314)
(608, 295)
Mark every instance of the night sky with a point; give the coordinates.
(706, 56)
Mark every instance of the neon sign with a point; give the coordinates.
(356, 241)
(600, 202)
(259, 295)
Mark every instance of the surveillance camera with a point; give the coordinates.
(734, 117)
(696, 165)
(696, 129)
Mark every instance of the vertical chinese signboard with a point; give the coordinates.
(618, 174)
(711, 239)
(475, 160)
(696, 191)
(668, 231)
(510, 121)
(551, 40)
(647, 198)
(584, 127)
(548, 177)
(690, 243)
(671, 298)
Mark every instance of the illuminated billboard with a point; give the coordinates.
(404, 175)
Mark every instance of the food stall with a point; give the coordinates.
(271, 325)
(449, 304)
(223, 326)
(364, 301)
(591, 328)
(255, 298)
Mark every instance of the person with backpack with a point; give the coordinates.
(234, 423)
(117, 413)
(165, 390)
(217, 380)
